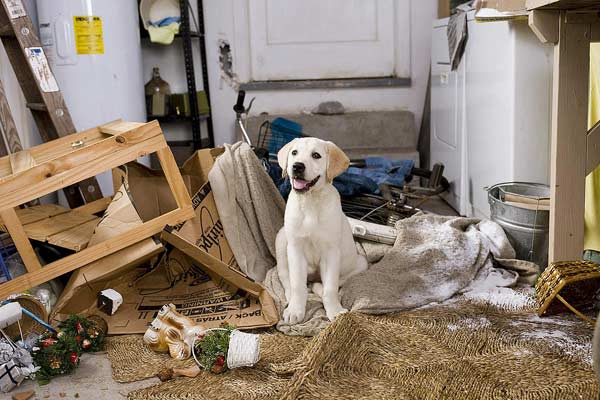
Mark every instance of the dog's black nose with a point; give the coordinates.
(298, 167)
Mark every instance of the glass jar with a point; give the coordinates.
(157, 95)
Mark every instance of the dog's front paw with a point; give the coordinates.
(334, 311)
(294, 314)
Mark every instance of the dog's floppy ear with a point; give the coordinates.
(337, 161)
(282, 157)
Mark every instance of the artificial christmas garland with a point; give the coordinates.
(57, 353)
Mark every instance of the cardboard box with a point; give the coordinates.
(198, 273)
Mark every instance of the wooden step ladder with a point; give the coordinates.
(42, 94)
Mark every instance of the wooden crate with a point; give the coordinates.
(41, 170)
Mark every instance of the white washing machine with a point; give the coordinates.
(491, 118)
(448, 140)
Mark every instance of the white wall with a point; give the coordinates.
(220, 20)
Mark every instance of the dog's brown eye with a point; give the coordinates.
(316, 156)
(294, 152)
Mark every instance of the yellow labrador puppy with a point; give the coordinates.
(315, 243)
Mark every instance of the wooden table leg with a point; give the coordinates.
(20, 239)
(569, 133)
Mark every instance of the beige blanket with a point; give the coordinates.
(433, 259)
(250, 207)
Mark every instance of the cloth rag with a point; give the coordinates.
(434, 258)
(250, 207)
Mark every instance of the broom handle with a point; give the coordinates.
(34, 317)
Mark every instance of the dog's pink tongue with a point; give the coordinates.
(299, 184)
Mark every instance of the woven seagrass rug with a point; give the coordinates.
(456, 351)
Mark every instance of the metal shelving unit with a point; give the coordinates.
(187, 36)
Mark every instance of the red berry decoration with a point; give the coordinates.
(78, 338)
(48, 342)
(86, 344)
(78, 327)
(74, 357)
(220, 361)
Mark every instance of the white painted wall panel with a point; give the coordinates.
(322, 40)
(226, 20)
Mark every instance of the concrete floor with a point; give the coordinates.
(91, 381)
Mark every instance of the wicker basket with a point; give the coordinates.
(572, 283)
(28, 324)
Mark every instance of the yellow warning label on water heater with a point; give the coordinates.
(88, 34)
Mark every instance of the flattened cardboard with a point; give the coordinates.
(180, 281)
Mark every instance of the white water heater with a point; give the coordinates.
(94, 49)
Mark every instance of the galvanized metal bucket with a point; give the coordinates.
(527, 230)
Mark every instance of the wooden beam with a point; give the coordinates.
(36, 213)
(21, 241)
(569, 140)
(42, 230)
(76, 238)
(174, 179)
(562, 4)
(119, 126)
(95, 206)
(210, 262)
(545, 25)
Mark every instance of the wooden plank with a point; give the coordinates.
(95, 206)
(119, 126)
(76, 238)
(65, 145)
(545, 25)
(85, 162)
(174, 179)
(569, 141)
(21, 241)
(51, 150)
(562, 4)
(36, 213)
(202, 257)
(95, 252)
(21, 161)
(42, 230)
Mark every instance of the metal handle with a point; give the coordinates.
(239, 106)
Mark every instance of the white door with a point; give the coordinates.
(315, 39)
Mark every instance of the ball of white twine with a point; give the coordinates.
(243, 350)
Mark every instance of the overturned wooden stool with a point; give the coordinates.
(30, 174)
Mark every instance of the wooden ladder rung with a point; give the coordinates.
(37, 106)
